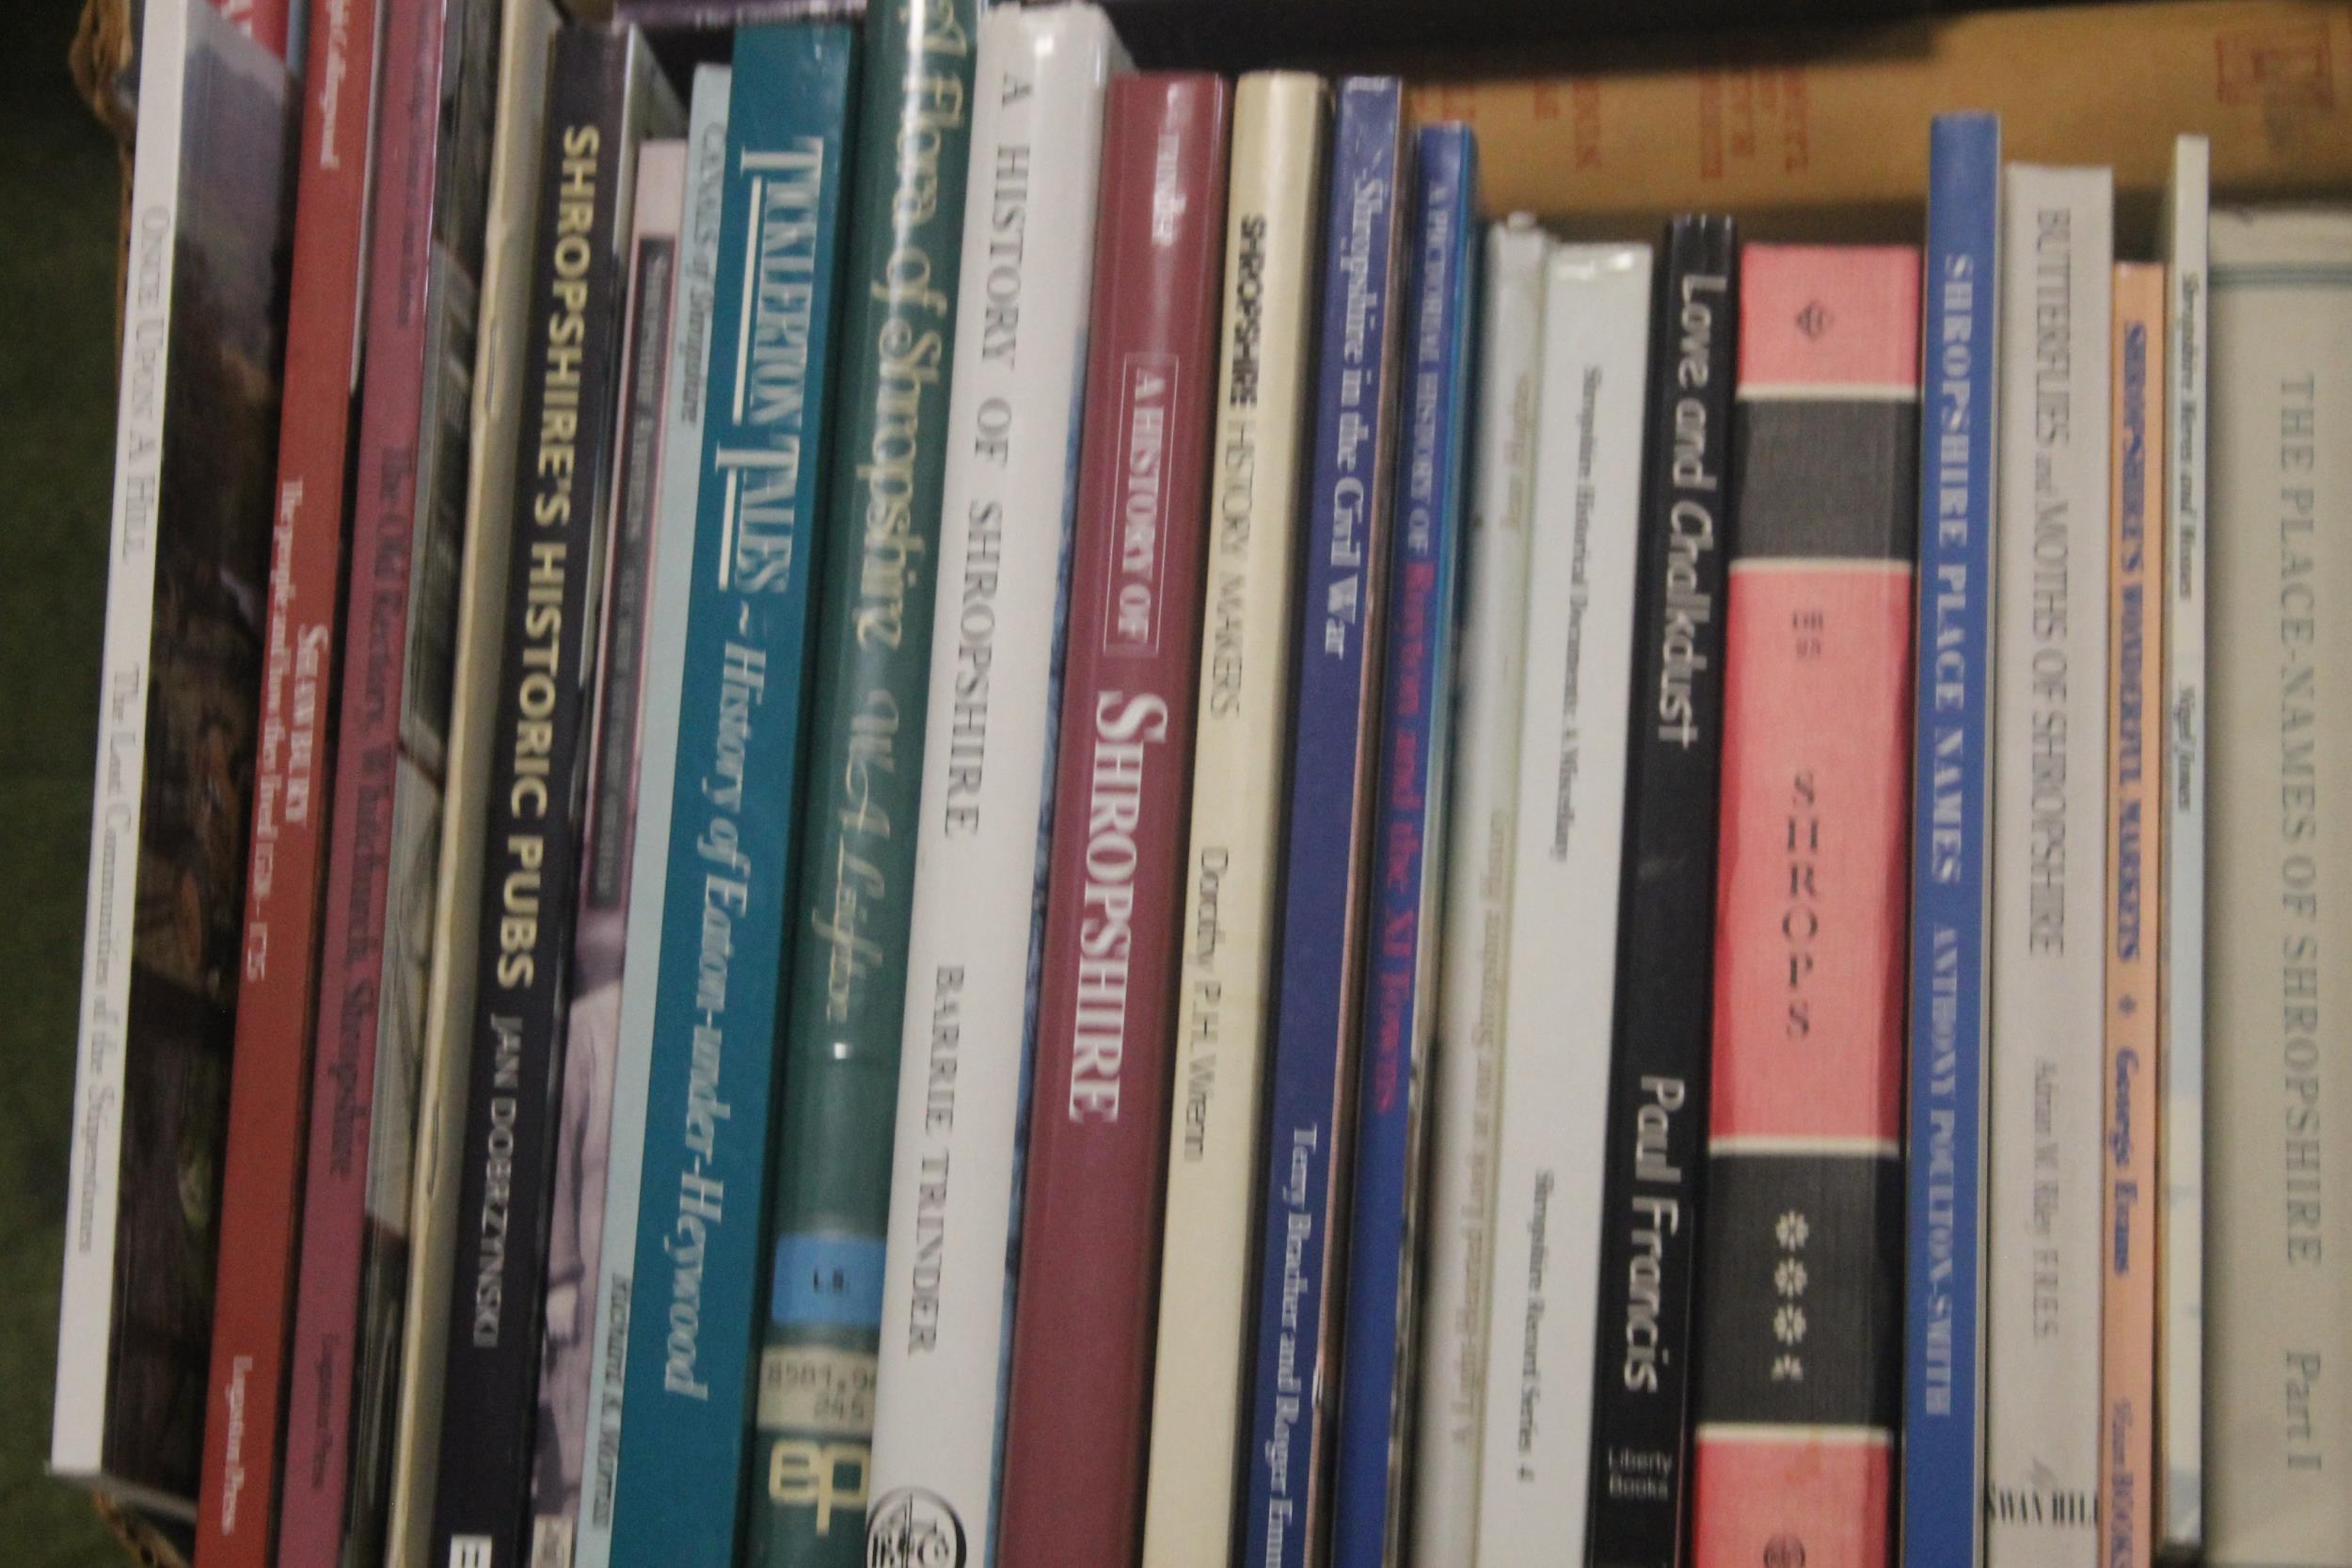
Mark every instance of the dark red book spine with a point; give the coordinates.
(1800, 1370)
(253, 1302)
(1107, 1005)
(368, 762)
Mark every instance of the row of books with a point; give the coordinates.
(943, 804)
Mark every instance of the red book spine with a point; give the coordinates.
(253, 1305)
(1106, 1007)
(367, 755)
(1799, 1375)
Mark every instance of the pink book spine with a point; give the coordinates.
(2135, 819)
(1799, 1375)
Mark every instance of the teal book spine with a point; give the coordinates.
(742, 720)
(830, 1174)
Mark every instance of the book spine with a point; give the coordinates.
(1823, 129)
(1399, 1006)
(1302, 1201)
(688, 1388)
(1566, 853)
(986, 813)
(1658, 1080)
(2134, 917)
(2049, 889)
(531, 838)
(1943, 1440)
(606, 1285)
(2180, 1477)
(527, 32)
(584, 1110)
(829, 1194)
(1108, 997)
(1280, 123)
(252, 1301)
(1800, 1372)
(96, 1192)
(368, 766)
(1465, 1108)
(2279, 1319)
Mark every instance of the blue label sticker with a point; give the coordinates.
(833, 1281)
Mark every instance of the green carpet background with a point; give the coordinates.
(59, 190)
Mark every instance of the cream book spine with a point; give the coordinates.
(1474, 955)
(2048, 870)
(526, 33)
(2278, 944)
(1568, 843)
(1028, 247)
(1272, 256)
(2180, 1075)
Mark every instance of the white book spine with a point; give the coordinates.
(1563, 950)
(681, 481)
(2278, 940)
(1029, 248)
(2181, 1100)
(1474, 955)
(1272, 257)
(2048, 869)
(93, 1185)
(527, 32)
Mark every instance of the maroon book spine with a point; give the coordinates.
(368, 762)
(253, 1301)
(1107, 1005)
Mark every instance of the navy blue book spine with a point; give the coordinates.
(1943, 1349)
(1428, 490)
(1325, 907)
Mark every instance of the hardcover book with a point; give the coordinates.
(676, 1446)
(2278, 952)
(1301, 1198)
(1107, 1003)
(180, 679)
(1399, 1007)
(606, 1285)
(584, 1109)
(987, 766)
(1800, 1373)
(845, 988)
(1466, 1058)
(603, 100)
(1566, 855)
(260, 1183)
(510, 226)
(2043, 1128)
(1943, 1439)
(1240, 765)
(1658, 1074)
(2180, 1138)
(2127, 1228)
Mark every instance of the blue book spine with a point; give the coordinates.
(1400, 999)
(741, 712)
(1943, 1349)
(1324, 905)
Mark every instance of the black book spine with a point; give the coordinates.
(530, 879)
(1665, 955)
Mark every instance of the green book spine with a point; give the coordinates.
(830, 1172)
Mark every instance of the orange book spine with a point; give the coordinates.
(1800, 133)
(2135, 818)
